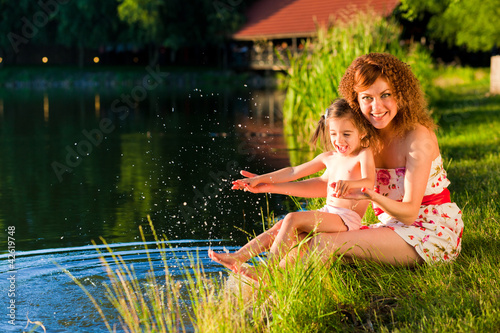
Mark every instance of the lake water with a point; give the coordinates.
(77, 165)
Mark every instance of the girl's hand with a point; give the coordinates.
(243, 184)
(248, 174)
(341, 188)
(261, 188)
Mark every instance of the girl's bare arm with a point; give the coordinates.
(284, 175)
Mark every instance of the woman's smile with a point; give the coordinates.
(378, 116)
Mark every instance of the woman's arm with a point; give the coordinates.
(286, 174)
(422, 148)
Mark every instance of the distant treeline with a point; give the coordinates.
(116, 26)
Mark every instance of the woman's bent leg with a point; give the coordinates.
(380, 245)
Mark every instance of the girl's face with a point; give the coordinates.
(345, 137)
(377, 103)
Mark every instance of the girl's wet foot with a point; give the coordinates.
(228, 260)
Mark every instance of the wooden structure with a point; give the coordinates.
(281, 24)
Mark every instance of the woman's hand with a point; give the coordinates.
(342, 189)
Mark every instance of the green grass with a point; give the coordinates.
(462, 296)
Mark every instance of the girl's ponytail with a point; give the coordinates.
(320, 134)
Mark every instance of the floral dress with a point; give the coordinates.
(436, 234)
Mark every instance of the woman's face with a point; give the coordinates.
(378, 103)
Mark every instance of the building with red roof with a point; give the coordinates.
(283, 22)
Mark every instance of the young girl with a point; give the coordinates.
(349, 168)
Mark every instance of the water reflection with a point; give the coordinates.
(45, 290)
(73, 170)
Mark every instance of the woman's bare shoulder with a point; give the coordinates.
(422, 140)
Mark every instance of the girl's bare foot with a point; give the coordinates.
(249, 271)
(228, 260)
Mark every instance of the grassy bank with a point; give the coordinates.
(311, 297)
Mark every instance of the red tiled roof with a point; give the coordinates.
(298, 18)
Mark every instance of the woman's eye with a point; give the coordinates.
(366, 98)
(386, 95)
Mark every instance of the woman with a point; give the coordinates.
(418, 223)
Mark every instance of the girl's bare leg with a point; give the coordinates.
(304, 222)
(259, 244)
(253, 273)
(293, 224)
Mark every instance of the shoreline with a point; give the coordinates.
(69, 77)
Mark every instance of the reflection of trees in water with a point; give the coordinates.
(262, 130)
(148, 164)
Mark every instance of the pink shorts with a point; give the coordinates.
(351, 219)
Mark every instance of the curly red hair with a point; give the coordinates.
(366, 69)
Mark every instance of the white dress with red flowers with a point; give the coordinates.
(437, 233)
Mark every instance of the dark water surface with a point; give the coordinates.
(76, 165)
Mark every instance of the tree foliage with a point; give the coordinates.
(144, 16)
(473, 24)
(91, 24)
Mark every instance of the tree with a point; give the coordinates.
(23, 22)
(144, 18)
(180, 23)
(92, 24)
(473, 24)
(87, 24)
